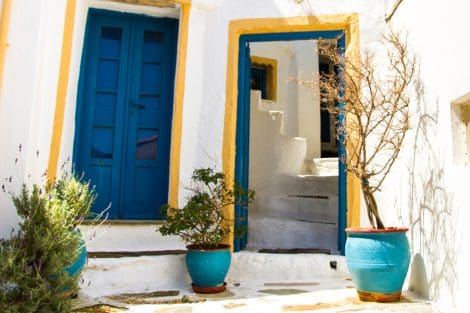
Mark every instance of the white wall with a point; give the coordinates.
(433, 193)
(28, 95)
(300, 105)
(306, 58)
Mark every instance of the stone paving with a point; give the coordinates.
(257, 282)
(259, 298)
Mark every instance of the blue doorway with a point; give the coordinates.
(124, 111)
(242, 153)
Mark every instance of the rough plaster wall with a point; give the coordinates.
(27, 98)
(426, 190)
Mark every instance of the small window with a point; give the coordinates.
(264, 77)
(460, 118)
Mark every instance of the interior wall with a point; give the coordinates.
(300, 105)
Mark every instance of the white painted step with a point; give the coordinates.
(300, 207)
(322, 166)
(129, 237)
(312, 185)
(282, 233)
(104, 277)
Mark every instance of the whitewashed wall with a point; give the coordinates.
(27, 98)
(426, 190)
(300, 107)
(433, 192)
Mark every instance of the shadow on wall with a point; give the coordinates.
(431, 218)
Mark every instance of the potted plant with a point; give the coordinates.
(45, 255)
(374, 100)
(201, 223)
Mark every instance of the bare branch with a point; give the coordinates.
(375, 101)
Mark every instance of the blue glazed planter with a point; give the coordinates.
(208, 268)
(378, 261)
(77, 266)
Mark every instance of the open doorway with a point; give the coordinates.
(286, 145)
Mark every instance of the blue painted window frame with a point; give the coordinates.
(260, 74)
(243, 124)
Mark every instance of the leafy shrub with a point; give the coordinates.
(201, 222)
(33, 261)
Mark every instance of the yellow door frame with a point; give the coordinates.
(347, 22)
(64, 73)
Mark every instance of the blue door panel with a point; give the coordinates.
(126, 79)
(149, 127)
(100, 103)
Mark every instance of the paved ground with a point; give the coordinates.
(246, 297)
(257, 282)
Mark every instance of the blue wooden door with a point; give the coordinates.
(242, 139)
(124, 111)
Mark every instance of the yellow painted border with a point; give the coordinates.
(4, 26)
(177, 128)
(271, 66)
(61, 96)
(347, 22)
(178, 98)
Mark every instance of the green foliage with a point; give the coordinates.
(34, 259)
(201, 221)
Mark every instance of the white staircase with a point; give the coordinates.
(296, 204)
(303, 214)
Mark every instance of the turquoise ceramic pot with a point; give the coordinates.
(76, 267)
(378, 261)
(208, 268)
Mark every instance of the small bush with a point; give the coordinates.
(33, 261)
(201, 222)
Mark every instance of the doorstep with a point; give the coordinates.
(129, 236)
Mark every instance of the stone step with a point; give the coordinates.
(302, 207)
(310, 185)
(111, 276)
(129, 237)
(282, 233)
(322, 166)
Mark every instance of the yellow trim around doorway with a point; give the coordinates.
(178, 98)
(176, 131)
(4, 26)
(347, 22)
(62, 85)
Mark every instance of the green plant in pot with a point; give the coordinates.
(41, 261)
(374, 98)
(202, 224)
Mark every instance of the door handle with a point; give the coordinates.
(137, 105)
